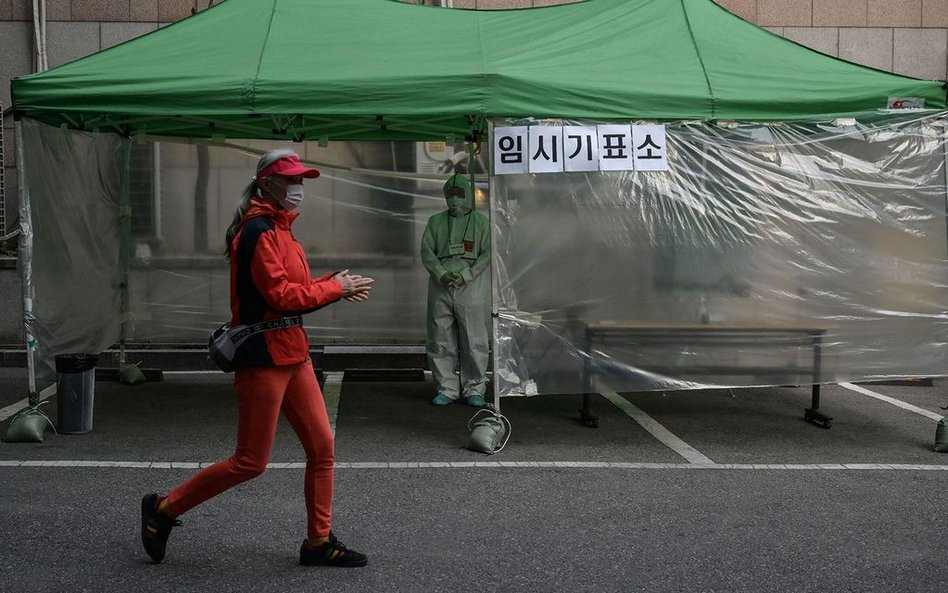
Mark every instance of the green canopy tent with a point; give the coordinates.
(346, 70)
(386, 70)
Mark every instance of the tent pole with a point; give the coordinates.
(944, 136)
(944, 125)
(25, 255)
(494, 290)
(125, 218)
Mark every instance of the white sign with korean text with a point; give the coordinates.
(510, 150)
(615, 148)
(581, 148)
(649, 148)
(546, 149)
(555, 149)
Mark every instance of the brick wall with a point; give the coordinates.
(904, 36)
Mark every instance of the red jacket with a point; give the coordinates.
(270, 279)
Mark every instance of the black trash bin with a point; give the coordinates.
(75, 392)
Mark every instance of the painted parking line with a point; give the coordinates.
(891, 400)
(658, 431)
(14, 409)
(405, 465)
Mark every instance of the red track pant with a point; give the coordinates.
(261, 394)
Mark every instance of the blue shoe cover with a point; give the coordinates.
(475, 401)
(442, 400)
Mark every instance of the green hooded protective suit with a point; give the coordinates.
(455, 249)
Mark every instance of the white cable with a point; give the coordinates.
(44, 61)
(37, 37)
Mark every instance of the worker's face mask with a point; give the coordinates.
(456, 199)
(456, 206)
(294, 197)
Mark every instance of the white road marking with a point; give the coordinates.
(14, 409)
(403, 465)
(891, 400)
(658, 431)
(332, 392)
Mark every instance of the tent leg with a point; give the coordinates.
(494, 314)
(125, 217)
(129, 374)
(25, 255)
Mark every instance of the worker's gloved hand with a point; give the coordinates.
(457, 280)
(447, 279)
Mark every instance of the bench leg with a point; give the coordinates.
(813, 414)
(585, 413)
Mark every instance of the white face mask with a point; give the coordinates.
(294, 197)
(456, 205)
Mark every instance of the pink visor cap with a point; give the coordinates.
(289, 166)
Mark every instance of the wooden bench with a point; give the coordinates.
(633, 334)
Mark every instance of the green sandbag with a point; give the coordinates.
(130, 374)
(489, 433)
(941, 436)
(27, 427)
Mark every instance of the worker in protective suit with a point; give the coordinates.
(455, 249)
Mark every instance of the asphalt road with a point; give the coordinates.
(705, 491)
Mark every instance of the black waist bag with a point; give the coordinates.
(225, 340)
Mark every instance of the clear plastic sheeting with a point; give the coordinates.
(182, 197)
(72, 196)
(768, 254)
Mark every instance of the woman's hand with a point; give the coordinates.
(355, 288)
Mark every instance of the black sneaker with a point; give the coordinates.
(156, 527)
(331, 553)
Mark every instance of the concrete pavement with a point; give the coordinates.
(780, 504)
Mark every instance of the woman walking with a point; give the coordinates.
(270, 280)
